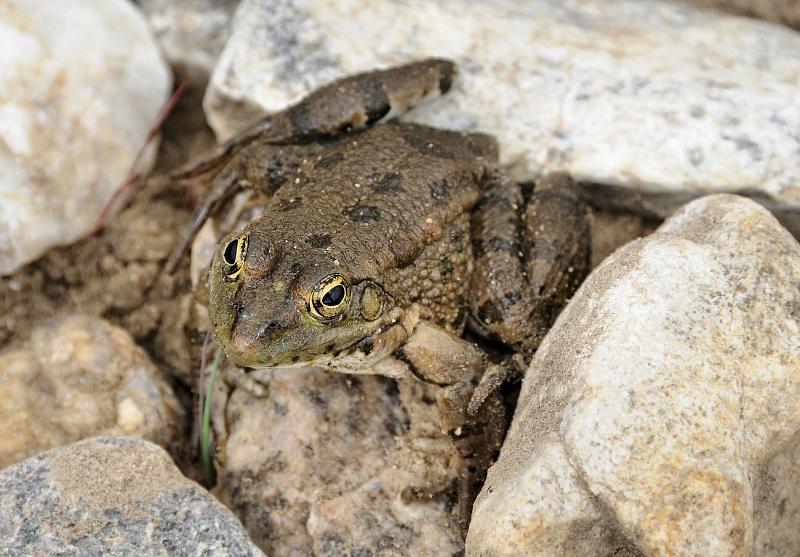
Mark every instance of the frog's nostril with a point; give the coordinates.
(270, 329)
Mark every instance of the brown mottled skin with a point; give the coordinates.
(424, 229)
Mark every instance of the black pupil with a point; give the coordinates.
(334, 296)
(230, 252)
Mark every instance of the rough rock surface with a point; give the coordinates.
(318, 466)
(76, 377)
(191, 33)
(112, 496)
(662, 98)
(76, 104)
(660, 415)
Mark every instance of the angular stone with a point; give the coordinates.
(318, 466)
(81, 85)
(112, 496)
(660, 413)
(77, 377)
(659, 98)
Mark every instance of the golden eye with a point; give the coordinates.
(233, 257)
(330, 298)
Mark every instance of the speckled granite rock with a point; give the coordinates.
(191, 33)
(76, 377)
(81, 85)
(318, 466)
(660, 98)
(112, 496)
(660, 415)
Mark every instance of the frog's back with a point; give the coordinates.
(374, 201)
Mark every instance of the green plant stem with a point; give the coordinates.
(205, 448)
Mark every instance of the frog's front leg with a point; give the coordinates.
(529, 257)
(437, 356)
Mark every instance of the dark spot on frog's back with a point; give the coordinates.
(385, 182)
(426, 143)
(438, 189)
(362, 213)
(285, 205)
(329, 162)
(446, 268)
(319, 240)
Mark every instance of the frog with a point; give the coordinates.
(387, 248)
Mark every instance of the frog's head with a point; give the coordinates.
(274, 304)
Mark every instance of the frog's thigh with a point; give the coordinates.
(360, 100)
(514, 300)
(438, 356)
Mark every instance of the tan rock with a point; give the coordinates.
(76, 377)
(317, 467)
(661, 409)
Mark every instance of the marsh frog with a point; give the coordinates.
(382, 241)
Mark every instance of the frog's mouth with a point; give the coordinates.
(358, 357)
(362, 356)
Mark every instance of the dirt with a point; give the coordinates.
(119, 274)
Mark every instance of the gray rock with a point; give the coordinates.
(112, 496)
(81, 86)
(77, 377)
(317, 466)
(191, 33)
(659, 416)
(658, 98)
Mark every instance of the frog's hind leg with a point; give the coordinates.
(347, 104)
(529, 258)
(358, 101)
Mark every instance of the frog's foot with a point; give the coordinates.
(529, 258)
(240, 379)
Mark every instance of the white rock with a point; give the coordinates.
(661, 409)
(191, 33)
(661, 98)
(81, 83)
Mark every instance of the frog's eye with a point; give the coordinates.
(233, 257)
(330, 298)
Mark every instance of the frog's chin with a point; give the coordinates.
(354, 353)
